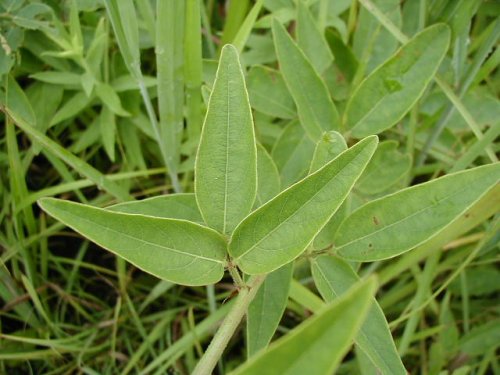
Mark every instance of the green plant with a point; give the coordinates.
(288, 189)
(267, 238)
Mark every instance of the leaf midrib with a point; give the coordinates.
(407, 218)
(144, 241)
(300, 208)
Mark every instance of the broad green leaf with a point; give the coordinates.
(372, 43)
(396, 223)
(344, 58)
(266, 309)
(315, 108)
(268, 93)
(311, 40)
(107, 124)
(174, 250)
(387, 167)
(172, 206)
(268, 177)
(226, 163)
(292, 153)
(331, 145)
(279, 231)
(318, 345)
(385, 96)
(333, 277)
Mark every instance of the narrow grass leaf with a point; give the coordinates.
(266, 309)
(193, 67)
(170, 76)
(226, 163)
(107, 125)
(13, 98)
(72, 107)
(333, 277)
(245, 29)
(317, 113)
(281, 230)
(387, 94)
(72, 160)
(172, 206)
(317, 345)
(174, 250)
(391, 225)
(110, 99)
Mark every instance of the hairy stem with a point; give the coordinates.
(228, 327)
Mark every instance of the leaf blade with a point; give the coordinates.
(333, 277)
(379, 229)
(315, 108)
(281, 230)
(266, 309)
(226, 163)
(387, 94)
(318, 345)
(169, 248)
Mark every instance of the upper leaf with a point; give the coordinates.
(316, 110)
(281, 230)
(317, 345)
(226, 163)
(396, 223)
(175, 250)
(385, 96)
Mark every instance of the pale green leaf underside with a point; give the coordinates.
(311, 40)
(226, 163)
(266, 309)
(174, 250)
(387, 167)
(281, 230)
(292, 153)
(269, 94)
(384, 97)
(315, 108)
(334, 277)
(317, 345)
(171, 206)
(268, 181)
(391, 225)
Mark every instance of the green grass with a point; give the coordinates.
(103, 102)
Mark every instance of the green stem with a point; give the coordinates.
(228, 327)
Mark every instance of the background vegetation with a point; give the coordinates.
(104, 101)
